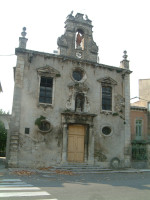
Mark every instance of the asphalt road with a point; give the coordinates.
(107, 186)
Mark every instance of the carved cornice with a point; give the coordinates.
(48, 71)
(79, 118)
(107, 80)
(19, 51)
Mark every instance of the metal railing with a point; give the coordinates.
(139, 152)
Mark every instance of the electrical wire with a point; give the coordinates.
(139, 98)
(8, 55)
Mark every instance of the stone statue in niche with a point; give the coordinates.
(79, 103)
(79, 40)
(77, 98)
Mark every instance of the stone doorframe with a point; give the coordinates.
(69, 118)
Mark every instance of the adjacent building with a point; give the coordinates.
(140, 126)
(140, 117)
(68, 107)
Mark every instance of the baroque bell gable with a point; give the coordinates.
(77, 40)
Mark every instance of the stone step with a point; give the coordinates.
(80, 168)
(15, 134)
(83, 170)
(14, 142)
(77, 167)
(76, 164)
(14, 137)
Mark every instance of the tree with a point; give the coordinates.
(3, 136)
(3, 112)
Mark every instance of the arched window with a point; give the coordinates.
(79, 39)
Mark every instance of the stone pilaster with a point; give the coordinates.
(127, 137)
(13, 150)
(64, 149)
(13, 142)
(127, 148)
(91, 146)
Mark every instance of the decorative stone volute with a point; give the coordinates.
(23, 40)
(77, 40)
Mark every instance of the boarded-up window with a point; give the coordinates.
(106, 98)
(46, 90)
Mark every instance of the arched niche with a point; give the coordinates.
(79, 102)
(79, 39)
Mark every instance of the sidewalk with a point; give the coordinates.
(4, 170)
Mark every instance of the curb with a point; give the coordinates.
(8, 170)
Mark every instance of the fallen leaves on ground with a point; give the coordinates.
(45, 168)
(23, 173)
(64, 172)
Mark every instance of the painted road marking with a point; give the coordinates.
(12, 187)
(9, 180)
(24, 194)
(13, 183)
(25, 185)
(47, 199)
(20, 188)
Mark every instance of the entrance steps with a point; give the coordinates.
(81, 168)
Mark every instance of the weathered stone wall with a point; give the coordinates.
(44, 149)
(73, 102)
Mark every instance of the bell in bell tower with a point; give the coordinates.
(77, 41)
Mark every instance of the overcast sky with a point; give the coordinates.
(118, 25)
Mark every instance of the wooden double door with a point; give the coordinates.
(76, 137)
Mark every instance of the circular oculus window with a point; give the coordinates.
(106, 130)
(77, 75)
(44, 126)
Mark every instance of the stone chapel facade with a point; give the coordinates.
(67, 107)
